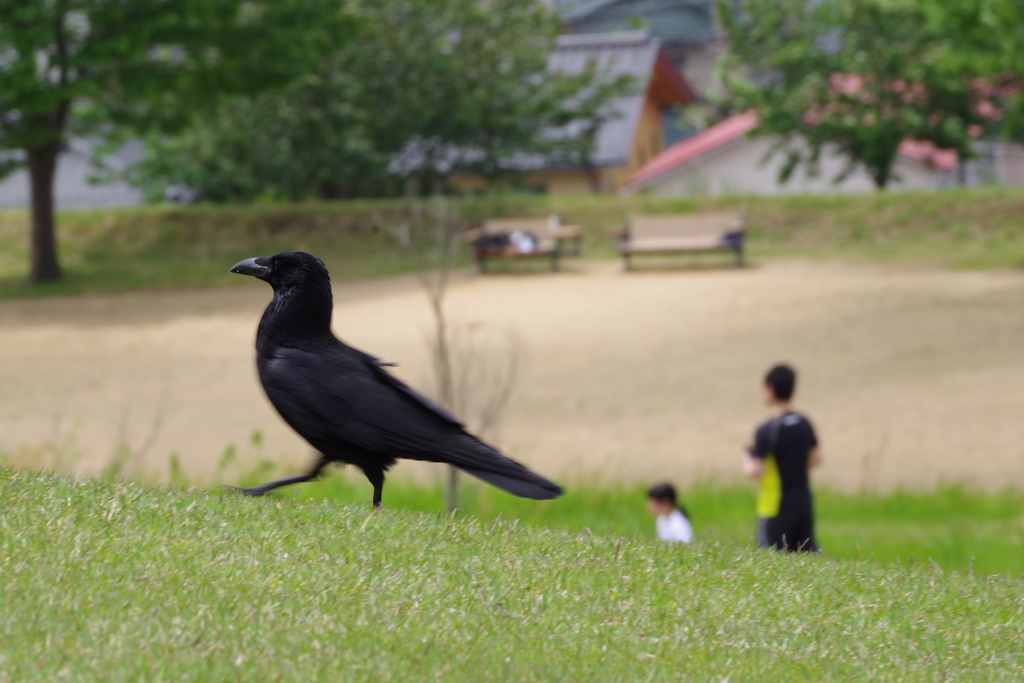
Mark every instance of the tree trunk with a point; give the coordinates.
(592, 177)
(881, 179)
(42, 165)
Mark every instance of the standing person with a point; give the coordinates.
(785, 449)
(672, 521)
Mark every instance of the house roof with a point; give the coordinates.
(622, 53)
(676, 22)
(687, 150)
(733, 128)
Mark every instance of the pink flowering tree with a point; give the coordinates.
(860, 76)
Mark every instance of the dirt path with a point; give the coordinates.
(912, 376)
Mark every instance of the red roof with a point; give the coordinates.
(737, 126)
(705, 141)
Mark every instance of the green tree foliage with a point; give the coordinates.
(307, 140)
(462, 84)
(859, 75)
(986, 38)
(99, 67)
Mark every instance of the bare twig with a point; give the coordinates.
(124, 456)
(155, 426)
(470, 383)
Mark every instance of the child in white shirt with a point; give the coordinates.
(672, 521)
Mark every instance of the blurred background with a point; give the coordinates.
(872, 147)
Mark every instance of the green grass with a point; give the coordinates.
(192, 246)
(950, 526)
(157, 247)
(108, 581)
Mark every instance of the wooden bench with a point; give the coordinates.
(679, 233)
(550, 234)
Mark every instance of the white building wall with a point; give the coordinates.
(1011, 163)
(71, 186)
(698, 68)
(738, 168)
(998, 162)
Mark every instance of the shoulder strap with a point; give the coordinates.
(773, 435)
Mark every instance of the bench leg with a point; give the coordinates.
(554, 262)
(627, 262)
(481, 264)
(739, 257)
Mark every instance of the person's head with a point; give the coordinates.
(779, 385)
(661, 499)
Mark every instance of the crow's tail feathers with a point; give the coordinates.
(482, 461)
(531, 486)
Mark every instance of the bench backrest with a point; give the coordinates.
(538, 227)
(647, 227)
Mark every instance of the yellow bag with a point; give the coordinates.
(769, 496)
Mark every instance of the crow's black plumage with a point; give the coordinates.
(343, 401)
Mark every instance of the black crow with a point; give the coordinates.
(343, 401)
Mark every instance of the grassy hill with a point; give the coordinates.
(114, 582)
(163, 246)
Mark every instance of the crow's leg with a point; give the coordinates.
(376, 478)
(277, 483)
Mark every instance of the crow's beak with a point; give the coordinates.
(257, 267)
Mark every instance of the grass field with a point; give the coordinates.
(114, 582)
(174, 246)
(953, 527)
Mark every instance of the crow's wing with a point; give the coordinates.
(337, 395)
(343, 395)
(378, 365)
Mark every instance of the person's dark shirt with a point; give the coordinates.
(793, 445)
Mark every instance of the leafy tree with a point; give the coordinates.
(454, 85)
(99, 67)
(986, 38)
(862, 75)
(307, 140)
(472, 76)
